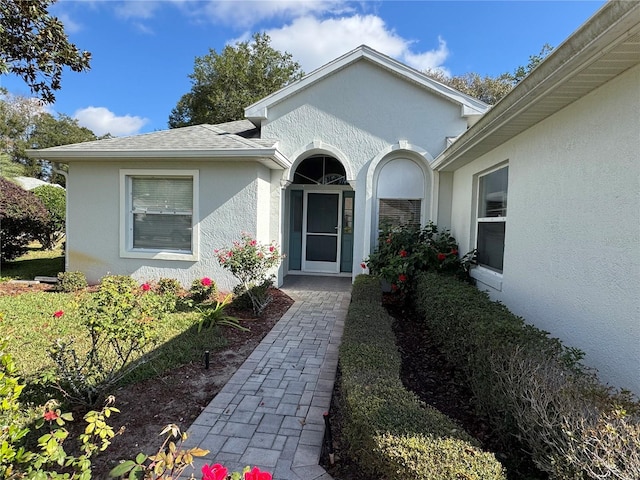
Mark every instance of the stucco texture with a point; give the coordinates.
(572, 262)
(234, 197)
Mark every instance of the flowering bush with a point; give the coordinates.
(404, 251)
(119, 319)
(251, 263)
(171, 461)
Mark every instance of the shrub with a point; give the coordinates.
(404, 252)
(119, 319)
(54, 200)
(531, 386)
(251, 262)
(51, 461)
(389, 431)
(23, 217)
(69, 282)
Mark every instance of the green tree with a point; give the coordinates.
(49, 131)
(54, 200)
(490, 89)
(35, 47)
(25, 125)
(223, 84)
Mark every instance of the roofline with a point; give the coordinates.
(470, 106)
(270, 157)
(613, 20)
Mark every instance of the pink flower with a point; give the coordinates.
(389, 240)
(253, 243)
(214, 472)
(271, 248)
(442, 256)
(402, 277)
(229, 254)
(403, 253)
(206, 281)
(256, 474)
(146, 287)
(454, 251)
(58, 314)
(50, 415)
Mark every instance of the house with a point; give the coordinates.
(319, 164)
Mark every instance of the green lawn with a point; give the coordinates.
(28, 322)
(36, 262)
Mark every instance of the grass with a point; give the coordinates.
(28, 321)
(34, 263)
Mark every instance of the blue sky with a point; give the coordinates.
(144, 50)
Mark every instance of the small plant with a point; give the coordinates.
(212, 316)
(201, 290)
(171, 461)
(252, 264)
(69, 282)
(169, 286)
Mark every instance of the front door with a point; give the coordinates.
(321, 228)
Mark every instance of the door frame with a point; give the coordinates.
(314, 266)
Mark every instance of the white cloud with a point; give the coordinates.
(70, 26)
(137, 9)
(244, 14)
(314, 42)
(101, 121)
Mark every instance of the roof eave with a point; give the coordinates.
(613, 21)
(269, 157)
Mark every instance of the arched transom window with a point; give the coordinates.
(320, 170)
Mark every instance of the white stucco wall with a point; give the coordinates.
(234, 197)
(572, 248)
(361, 112)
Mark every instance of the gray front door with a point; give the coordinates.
(320, 241)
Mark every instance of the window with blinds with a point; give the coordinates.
(162, 213)
(492, 218)
(395, 212)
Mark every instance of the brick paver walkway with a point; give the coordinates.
(270, 413)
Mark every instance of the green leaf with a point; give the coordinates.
(122, 469)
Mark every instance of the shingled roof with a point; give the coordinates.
(213, 142)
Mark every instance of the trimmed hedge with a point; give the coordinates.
(389, 431)
(531, 386)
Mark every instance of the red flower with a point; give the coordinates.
(454, 251)
(206, 281)
(363, 265)
(394, 287)
(58, 314)
(256, 474)
(146, 287)
(402, 277)
(50, 415)
(442, 256)
(403, 253)
(214, 472)
(272, 248)
(253, 243)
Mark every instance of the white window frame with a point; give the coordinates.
(485, 274)
(126, 216)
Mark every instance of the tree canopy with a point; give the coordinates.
(490, 89)
(223, 84)
(25, 125)
(34, 46)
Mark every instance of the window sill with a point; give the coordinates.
(160, 255)
(487, 277)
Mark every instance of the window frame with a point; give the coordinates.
(486, 273)
(127, 216)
